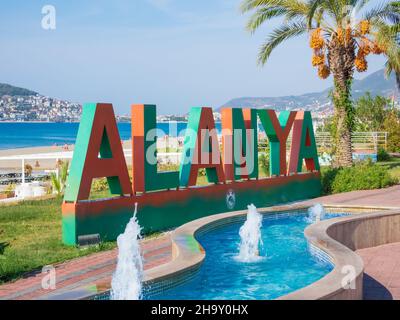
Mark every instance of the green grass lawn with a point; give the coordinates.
(394, 167)
(30, 238)
(395, 173)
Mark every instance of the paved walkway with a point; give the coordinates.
(382, 263)
(389, 197)
(95, 271)
(382, 272)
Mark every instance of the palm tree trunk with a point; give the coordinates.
(342, 138)
(341, 60)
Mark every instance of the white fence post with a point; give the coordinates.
(23, 171)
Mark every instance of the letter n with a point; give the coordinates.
(201, 149)
(98, 153)
(240, 144)
(144, 153)
(304, 146)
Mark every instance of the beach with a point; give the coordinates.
(34, 155)
(44, 164)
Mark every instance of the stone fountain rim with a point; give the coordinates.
(189, 260)
(188, 254)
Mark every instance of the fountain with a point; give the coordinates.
(316, 213)
(126, 282)
(250, 236)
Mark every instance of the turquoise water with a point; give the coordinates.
(286, 265)
(23, 135)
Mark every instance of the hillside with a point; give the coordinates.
(9, 90)
(375, 83)
(18, 104)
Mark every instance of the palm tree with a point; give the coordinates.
(340, 45)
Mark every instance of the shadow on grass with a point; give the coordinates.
(391, 164)
(3, 246)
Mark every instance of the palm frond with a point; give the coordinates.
(55, 183)
(248, 5)
(278, 36)
(389, 12)
(294, 8)
(262, 15)
(315, 5)
(358, 4)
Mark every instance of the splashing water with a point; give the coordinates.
(250, 236)
(316, 213)
(126, 282)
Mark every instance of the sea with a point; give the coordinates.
(25, 135)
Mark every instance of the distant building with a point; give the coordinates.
(38, 108)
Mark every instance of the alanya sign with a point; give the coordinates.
(169, 199)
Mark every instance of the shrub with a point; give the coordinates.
(383, 155)
(264, 163)
(10, 190)
(28, 170)
(100, 185)
(363, 176)
(168, 167)
(392, 126)
(328, 177)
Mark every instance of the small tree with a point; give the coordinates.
(392, 127)
(28, 170)
(10, 190)
(371, 113)
(59, 179)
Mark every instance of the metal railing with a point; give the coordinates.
(361, 141)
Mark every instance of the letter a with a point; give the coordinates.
(201, 149)
(303, 144)
(98, 153)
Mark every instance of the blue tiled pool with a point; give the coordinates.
(287, 265)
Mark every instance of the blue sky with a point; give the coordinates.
(173, 53)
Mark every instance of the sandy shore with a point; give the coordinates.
(46, 164)
(6, 165)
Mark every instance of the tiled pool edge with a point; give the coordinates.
(188, 254)
(330, 287)
(341, 238)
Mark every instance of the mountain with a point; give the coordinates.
(9, 90)
(376, 84)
